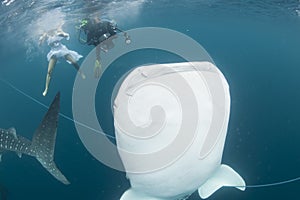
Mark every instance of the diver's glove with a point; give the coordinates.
(97, 69)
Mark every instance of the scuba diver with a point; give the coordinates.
(57, 51)
(100, 34)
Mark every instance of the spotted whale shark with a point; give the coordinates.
(43, 142)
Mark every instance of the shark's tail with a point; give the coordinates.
(43, 141)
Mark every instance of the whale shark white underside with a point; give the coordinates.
(43, 142)
(193, 96)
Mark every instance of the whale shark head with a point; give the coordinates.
(161, 110)
(171, 123)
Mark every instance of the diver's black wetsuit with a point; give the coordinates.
(97, 32)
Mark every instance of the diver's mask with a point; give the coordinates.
(83, 24)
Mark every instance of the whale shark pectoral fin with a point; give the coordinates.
(19, 154)
(13, 132)
(132, 194)
(224, 176)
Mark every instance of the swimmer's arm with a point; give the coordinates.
(60, 31)
(42, 38)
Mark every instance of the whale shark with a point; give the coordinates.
(43, 142)
(171, 123)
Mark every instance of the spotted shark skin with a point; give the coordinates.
(43, 143)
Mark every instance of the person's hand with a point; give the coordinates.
(127, 38)
(97, 69)
(42, 39)
(67, 35)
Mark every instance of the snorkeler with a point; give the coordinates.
(99, 34)
(57, 51)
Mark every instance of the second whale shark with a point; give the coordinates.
(43, 142)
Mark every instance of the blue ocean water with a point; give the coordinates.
(255, 44)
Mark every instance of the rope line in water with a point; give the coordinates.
(274, 184)
(97, 131)
(47, 107)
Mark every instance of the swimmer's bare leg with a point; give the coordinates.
(68, 57)
(51, 66)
